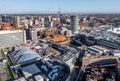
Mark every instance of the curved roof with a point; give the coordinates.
(55, 70)
(23, 55)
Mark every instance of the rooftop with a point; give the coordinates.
(23, 55)
(10, 31)
(30, 70)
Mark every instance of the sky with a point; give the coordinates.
(67, 6)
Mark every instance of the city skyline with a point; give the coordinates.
(59, 40)
(52, 6)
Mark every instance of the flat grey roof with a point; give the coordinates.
(30, 70)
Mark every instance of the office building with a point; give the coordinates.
(43, 22)
(16, 22)
(48, 24)
(12, 38)
(51, 24)
(36, 22)
(74, 23)
(4, 18)
(49, 18)
(33, 34)
(30, 22)
(0, 19)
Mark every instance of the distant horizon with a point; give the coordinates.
(65, 6)
(55, 13)
(62, 13)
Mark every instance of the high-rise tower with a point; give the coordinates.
(59, 15)
(4, 18)
(16, 22)
(74, 23)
